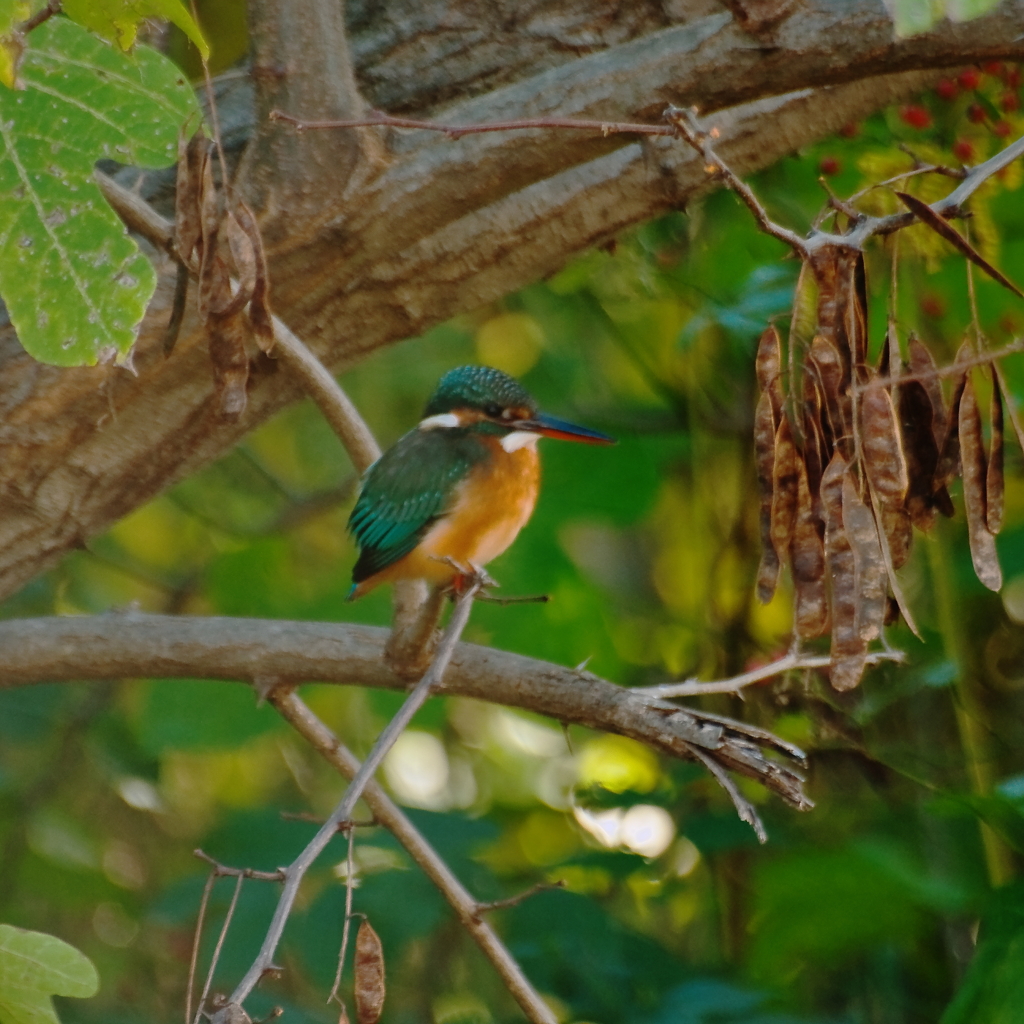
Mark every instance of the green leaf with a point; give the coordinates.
(75, 283)
(33, 967)
(912, 17)
(118, 20)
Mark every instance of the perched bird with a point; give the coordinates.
(457, 488)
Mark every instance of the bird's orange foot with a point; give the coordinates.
(467, 576)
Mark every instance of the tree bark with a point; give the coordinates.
(420, 228)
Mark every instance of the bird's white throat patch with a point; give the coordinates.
(445, 420)
(519, 439)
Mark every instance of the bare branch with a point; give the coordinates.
(332, 401)
(134, 645)
(196, 939)
(951, 206)
(735, 684)
(686, 124)
(391, 817)
(240, 878)
(456, 131)
(343, 812)
(514, 901)
(224, 871)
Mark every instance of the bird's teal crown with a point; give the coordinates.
(477, 387)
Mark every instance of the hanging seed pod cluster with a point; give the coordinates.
(852, 457)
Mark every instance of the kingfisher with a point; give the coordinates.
(453, 493)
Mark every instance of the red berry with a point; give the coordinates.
(932, 305)
(963, 151)
(915, 115)
(993, 67)
(829, 165)
(850, 130)
(1001, 128)
(1013, 76)
(1010, 102)
(976, 113)
(970, 79)
(946, 89)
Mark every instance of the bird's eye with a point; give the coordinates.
(493, 410)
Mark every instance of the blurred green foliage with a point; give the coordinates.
(891, 903)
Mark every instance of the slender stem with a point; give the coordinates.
(378, 118)
(696, 688)
(197, 937)
(343, 812)
(349, 886)
(217, 950)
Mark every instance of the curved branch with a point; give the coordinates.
(137, 645)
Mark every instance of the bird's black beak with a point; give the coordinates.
(549, 426)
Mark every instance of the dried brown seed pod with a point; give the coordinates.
(882, 446)
(972, 452)
(369, 975)
(849, 651)
(807, 557)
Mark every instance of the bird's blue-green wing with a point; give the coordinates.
(405, 492)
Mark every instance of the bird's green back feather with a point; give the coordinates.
(406, 491)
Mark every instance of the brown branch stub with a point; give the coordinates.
(514, 901)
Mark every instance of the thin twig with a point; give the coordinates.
(295, 872)
(951, 370)
(744, 808)
(696, 688)
(514, 901)
(378, 118)
(196, 938)
(690, 129)
(523, 599)
(321, 739)
(217, 949)
(349, 885)
(332, 401)
(223, 871)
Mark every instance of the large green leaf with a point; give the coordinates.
(75, 283)
(34, 967)
(118, 20)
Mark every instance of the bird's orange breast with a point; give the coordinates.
(490, 507)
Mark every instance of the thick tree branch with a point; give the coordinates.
(80, 448)
(300, 58)
(387, 812)
(133, 645)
